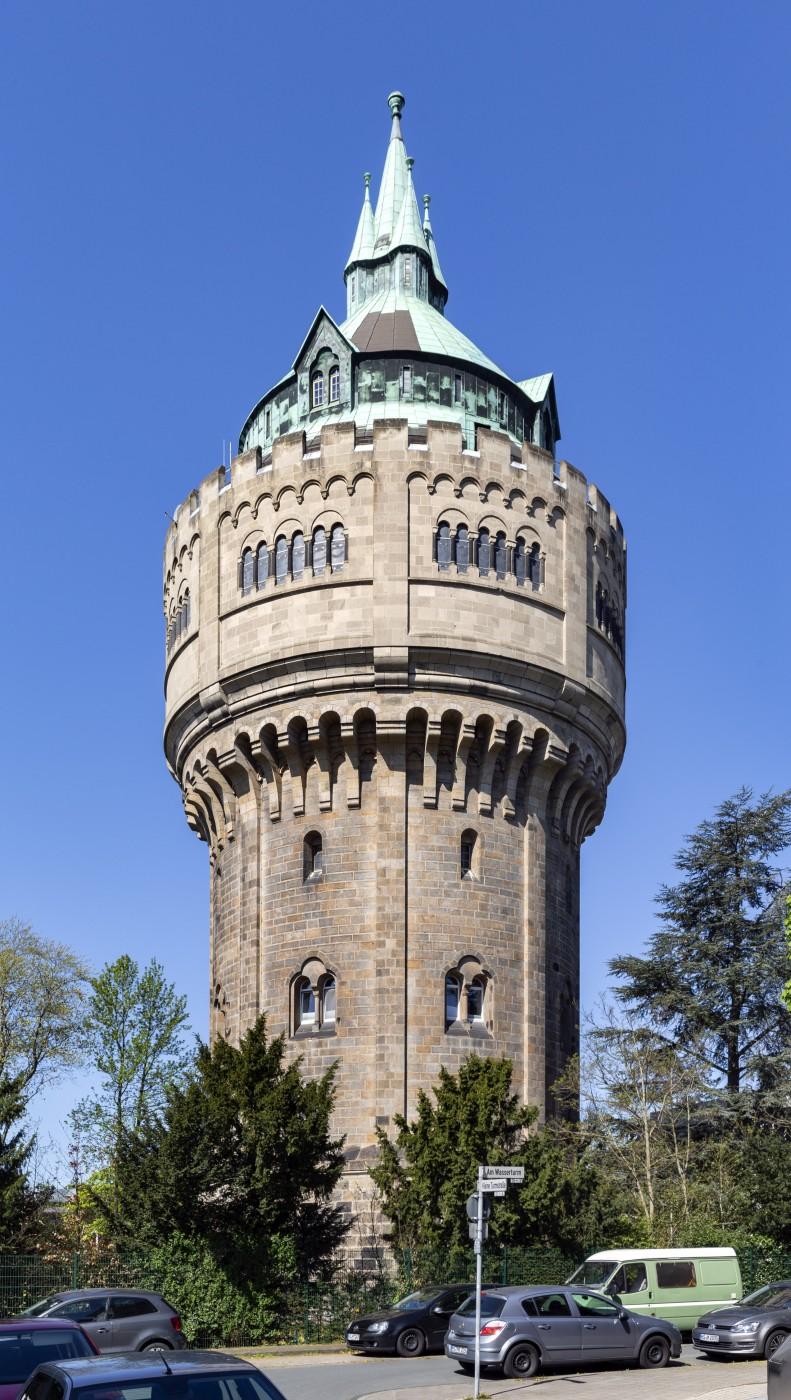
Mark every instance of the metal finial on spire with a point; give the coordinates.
(367, 179)
(396, 102)
(410, 161)
(426, 216)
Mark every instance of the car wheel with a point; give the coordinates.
(653, 1353)
(411, 1342)
(157, 1346)
(521, 1361)
(773, 1341)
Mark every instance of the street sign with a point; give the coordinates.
(502, 1173)
(494, 1186)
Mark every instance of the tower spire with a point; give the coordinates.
(363, 245)
(394, 178)
(428, 234)
(408, 232)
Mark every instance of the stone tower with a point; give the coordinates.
(394, 693)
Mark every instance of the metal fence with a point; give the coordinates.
(319, 1310)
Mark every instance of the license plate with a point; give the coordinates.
(352, 1336)
(709, 1336)
(458, 1351)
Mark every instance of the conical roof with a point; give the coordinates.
(394, 179)
(428, 234)
(363, 245)
(408, 232)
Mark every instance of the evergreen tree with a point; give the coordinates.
(21, 1205)
(717, 966)
(427, 1172)
(242, 1158)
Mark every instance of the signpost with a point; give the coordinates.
(492, 1181)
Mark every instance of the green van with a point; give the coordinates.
(679, 1285)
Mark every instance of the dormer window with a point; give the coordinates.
(317, 389)
(335, 384)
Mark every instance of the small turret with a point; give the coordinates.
(363, 246)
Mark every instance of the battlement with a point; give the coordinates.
(496, 463)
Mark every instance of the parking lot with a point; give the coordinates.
(342, 1377)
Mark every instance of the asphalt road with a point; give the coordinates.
(340, 1377)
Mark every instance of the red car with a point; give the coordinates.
(26, 1342)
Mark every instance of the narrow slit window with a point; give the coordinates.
(328, 1001)
(298, 555)
(281, 560)
(261, 565)
(319, 549)
(337, 548)
(406, 381)
(312, 855)
(452, 998)
(500, 555)
(248, 566)
(534, 565)
(475, 991)
(335, 384)
(317, 389)
(520, 562)
(468, 854)
(462, 549)
(306, 1004)
(443, 545)
(484, 552)
(457, 388)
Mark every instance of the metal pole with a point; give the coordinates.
(478, 1275)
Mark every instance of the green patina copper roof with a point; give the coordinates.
(408, 232)
(428, 234)
(395, 177)
(363, 246)
(394, 320)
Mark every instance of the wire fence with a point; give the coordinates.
(319, 1310)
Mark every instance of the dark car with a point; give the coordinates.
(189, 1375)
(414, 1324)
(779, 1373)
(756, 1326)
(116, 1319)
(524, 1330)
(24, 1345)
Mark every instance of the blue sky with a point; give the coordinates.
(181, 185)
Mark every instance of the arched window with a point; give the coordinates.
(443, 545)
(304, 1004)
(261, 565)
(520, 561)
(248, 568)
(452, 998)
(312, 856)
(484, 551)
(468, 854)
(462, 549)
(337, 548)
(281, 560)
(316, 389)
(500, 555)
(335, 384)
(476, 990)
(319, 549)
(534, 565)
(298, 555)
(185, 608)
(328, 1000)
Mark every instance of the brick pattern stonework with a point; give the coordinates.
(390, 706)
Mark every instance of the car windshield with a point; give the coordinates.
(36, 1309)
(594, 1273)
(419, 1299)
(772, 1295)
(491, 1305)
(212, 1385)
(23, 1349)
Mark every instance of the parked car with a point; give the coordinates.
(191, 1375)
(758, 1326)
(527, 1329)
(116, 1319)
(414, 1324)
(779, 1373)
(24, 1345)
(677, 1284)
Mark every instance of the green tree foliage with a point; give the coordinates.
(787, 988)
(21, 1204)
(716, 968)
(133, 1036)
(241, 1159)
(426, 1173)
(42, 986)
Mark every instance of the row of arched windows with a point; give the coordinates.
(315, 999)
(179, 621)
(290, 558)
(325, 388)
(608, 619)
(488, 553)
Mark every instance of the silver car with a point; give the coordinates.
(117, 1319)
(526, 1329)
(757, 1326)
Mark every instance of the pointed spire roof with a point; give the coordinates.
(394, 178)
(408, 232)
(363, 245)
(428, 234)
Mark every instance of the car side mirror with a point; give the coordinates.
(441, 1312)
(616, 1299)
(623, 1314)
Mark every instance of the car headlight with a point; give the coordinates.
(746, 1327)
(378, 1326)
